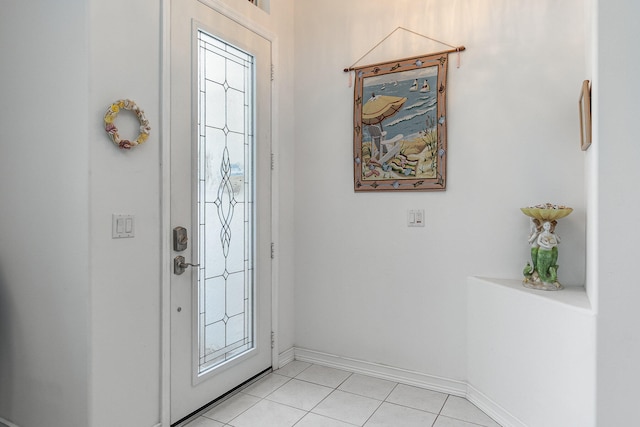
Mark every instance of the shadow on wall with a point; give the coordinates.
(6, 353)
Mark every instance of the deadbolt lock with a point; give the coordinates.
(180, 239)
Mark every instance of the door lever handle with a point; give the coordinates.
(180, 265)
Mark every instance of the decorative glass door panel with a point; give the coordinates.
(225, 202)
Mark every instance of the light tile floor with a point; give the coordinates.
(301, 394)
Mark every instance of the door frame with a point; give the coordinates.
(165, 193)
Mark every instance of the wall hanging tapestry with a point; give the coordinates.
(400, 124)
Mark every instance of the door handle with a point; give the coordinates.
(180, 265)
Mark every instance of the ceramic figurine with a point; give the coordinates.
(542, 271)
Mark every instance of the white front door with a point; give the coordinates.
(220, 205)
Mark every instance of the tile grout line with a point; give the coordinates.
(440, 411)
(459, 419)
(263, 398)
(327, 396)
(308, 382)
(337, 388)
(373, 413)
(323, 399)
(235, 396)
(444, 404)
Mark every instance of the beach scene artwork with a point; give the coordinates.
(400, 126)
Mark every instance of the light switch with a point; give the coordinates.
(122, 226)
(415, 218)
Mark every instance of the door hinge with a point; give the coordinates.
(273, 161)
(273, 73)
(273, 339)
(273, 250)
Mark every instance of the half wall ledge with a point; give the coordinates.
(531, 354)
(574, 297)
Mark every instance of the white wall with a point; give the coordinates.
(126, 294)
(368, 287)
(44, 230)
(80, 312)
(616, 87)
(591, 156)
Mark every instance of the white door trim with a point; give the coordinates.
(165, 186)
(165, 214)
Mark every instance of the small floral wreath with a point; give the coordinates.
(112, 130)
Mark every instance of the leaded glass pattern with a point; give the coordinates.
(225, 202)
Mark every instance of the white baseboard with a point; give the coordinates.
(491, 408)
(285, 357)
(5, 423)
(444, 385)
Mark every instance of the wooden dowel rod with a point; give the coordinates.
(456, 49)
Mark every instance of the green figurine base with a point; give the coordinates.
(534, 282)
